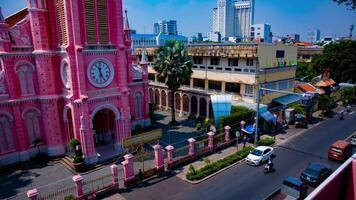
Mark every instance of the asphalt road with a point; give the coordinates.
(247, 182)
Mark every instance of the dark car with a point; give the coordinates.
(315, 173)
(353, 140)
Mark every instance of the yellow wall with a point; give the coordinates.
(267, 53)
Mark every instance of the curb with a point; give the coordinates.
(214, 174)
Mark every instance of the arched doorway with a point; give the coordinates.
(69, 124)
(185, 103)
(211, 113)
(164, 98)
(177, 101)
(203, 105)
(152, 98)
(104, 129)
(170, 100)
(193, 105)
(157, 97)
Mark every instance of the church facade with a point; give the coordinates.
(67, 72)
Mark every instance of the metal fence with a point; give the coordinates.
(57, 195)
(180, 152)
(97, 184)
(144, 161)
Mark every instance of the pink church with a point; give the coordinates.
(67, 71)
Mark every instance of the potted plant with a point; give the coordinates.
(78, 161)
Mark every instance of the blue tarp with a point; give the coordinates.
(221, 106)
(249, 129)
(288, 99)
(269, 117)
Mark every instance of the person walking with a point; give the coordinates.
(244, 140)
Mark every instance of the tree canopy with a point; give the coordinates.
(340, 60)
(349, 3)
(174, 66)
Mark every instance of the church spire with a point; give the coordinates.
(144, 56)
(126, 23)
(2, 18)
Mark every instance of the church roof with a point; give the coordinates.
(15, 18)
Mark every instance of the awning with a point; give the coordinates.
(288, 99)
(269, 117)
(249, 129)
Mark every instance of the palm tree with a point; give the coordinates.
(174, 66)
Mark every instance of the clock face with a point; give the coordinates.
(100, 73)
(65, 75)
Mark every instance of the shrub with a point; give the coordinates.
(73, 143)
(198, 127)
(191, 170)
(70, 197)
(267, 141)
(235, 118)
(218, 165)
(207, 161)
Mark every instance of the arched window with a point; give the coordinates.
(138, 105)
(25, 74)
(32, 119)
(6, 139)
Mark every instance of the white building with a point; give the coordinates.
(153, 40)
(214, 36)
(166, 27)
(233, 18)
(314, 35)
(261, 33)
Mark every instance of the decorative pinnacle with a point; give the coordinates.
(2, 18)
(126, 24)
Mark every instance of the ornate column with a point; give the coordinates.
(191, 146)
(170, 150)
(118, 136)
(190, 105)
(128, 170)
(115, 177)
(87, 142)
(159, 160)
(207, 108)
(181, 105)
(198, 106)
(78, 185)
(242, 124)
(211, 139)
(167, 100)
(227, 133)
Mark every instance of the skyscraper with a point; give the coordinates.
(314, 35)
(233, 18)
(166, 27)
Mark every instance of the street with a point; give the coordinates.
(246, 182)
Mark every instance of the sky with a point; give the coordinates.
(285, 16)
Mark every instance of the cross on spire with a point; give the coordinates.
(126, 24)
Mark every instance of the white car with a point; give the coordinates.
(259, 155)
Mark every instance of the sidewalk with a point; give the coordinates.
(181, 172)
(279, 138)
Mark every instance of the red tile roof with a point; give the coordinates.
(325, 83)
(15, 18)
(307, 87)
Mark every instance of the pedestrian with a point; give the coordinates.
(237, 133)
(140, 178)
(244, 140)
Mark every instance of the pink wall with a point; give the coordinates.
(38, 32)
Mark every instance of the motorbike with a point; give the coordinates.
(341, 116)
(268, 168)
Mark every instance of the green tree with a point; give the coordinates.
(348, 3)
(306, 72)
(348, 95)
(298, 108)
(340, 59)
(326, 103)
(174, 66)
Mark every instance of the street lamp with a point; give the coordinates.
(259, 89)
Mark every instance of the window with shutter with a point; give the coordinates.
(102, 21)
(90, 21)
(61, 22)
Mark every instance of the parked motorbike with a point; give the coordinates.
(268, 168)
(341, 116)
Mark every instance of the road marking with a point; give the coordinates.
(352, 112)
